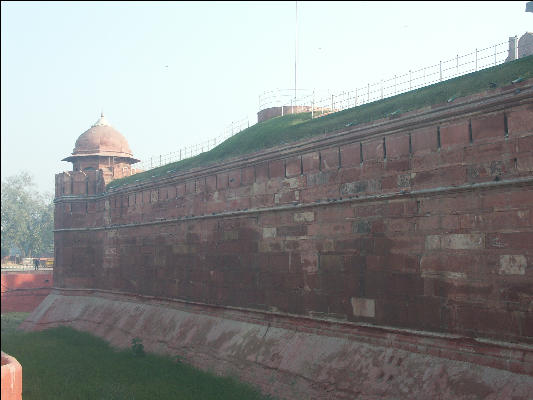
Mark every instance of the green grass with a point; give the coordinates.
(291, 128)
(62, 363)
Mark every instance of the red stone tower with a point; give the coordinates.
(103, 148)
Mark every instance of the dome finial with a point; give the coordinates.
(102, 121)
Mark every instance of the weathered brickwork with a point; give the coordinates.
(423, 221)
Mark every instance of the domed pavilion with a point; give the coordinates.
(104, 148)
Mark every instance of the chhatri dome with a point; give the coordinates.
(102, 147)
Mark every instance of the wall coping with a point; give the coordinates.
(528, 181)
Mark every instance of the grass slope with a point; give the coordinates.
(294, 127)
(62, 363)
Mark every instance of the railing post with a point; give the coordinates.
(368, 93)
(457, 67)
(355, 105)
(382, 89)
(440, 71)
(332, 103)
(495, 60)
(395, 84)
(160, 163)
(476, 59)
(313, 106)
(409, 79)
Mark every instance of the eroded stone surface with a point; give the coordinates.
(291, 357)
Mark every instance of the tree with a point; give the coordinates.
(27, 217)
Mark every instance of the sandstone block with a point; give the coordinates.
(308, 216)
(269, 232)
(520, 120)
(424, 140)
(373, 150)
(293, 167)
(397, 145)
(329, 158)
(351, 155)
(362, 307)
(455, 242)
(456, 134)
(310, 162)
(511, 264)
(491, 126)
(276, 168)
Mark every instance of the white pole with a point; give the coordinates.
(295, 50)
(313, 106)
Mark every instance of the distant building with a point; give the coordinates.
(519, 48)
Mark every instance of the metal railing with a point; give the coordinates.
(193, 150)
(321, 104)
(399, 83)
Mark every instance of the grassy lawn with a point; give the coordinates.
(62, 363)
(291, 128)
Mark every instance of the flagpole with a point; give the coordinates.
(295, 49)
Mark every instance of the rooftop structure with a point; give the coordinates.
(104, 148)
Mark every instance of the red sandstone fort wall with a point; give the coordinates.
(423, 221)
(23, 292)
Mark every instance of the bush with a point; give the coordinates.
(137, 347)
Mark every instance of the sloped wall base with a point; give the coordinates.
(294, 357)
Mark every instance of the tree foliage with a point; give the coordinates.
(27, 217)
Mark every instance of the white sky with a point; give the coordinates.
(171, 74)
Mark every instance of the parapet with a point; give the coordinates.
(76, 183)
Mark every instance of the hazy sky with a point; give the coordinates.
(170, 74)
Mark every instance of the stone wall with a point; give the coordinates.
(24, 291)
(422, 221)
